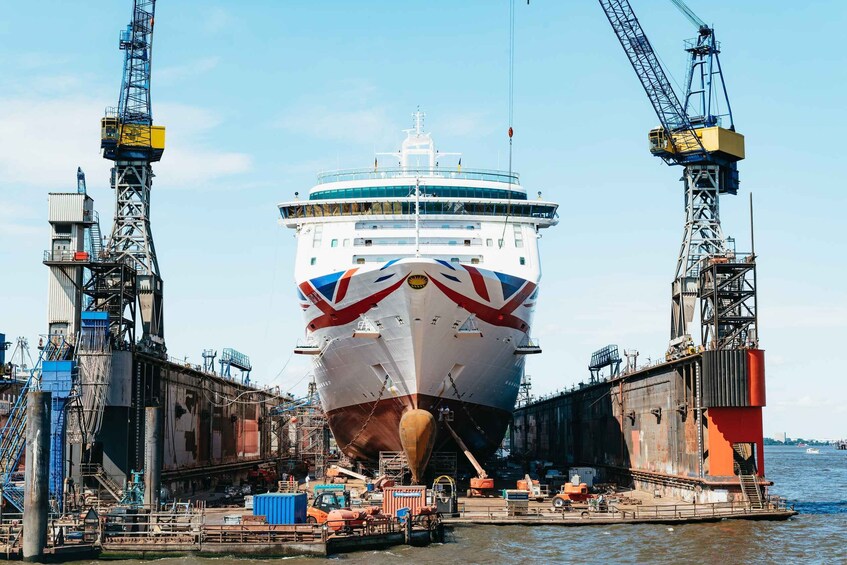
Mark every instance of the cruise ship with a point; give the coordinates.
(418, 284)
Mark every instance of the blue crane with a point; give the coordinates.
(690, 134)
(129, 138)
(691, 131)
(127, 130)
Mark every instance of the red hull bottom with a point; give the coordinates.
(362, 435)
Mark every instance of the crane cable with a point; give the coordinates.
(511, 115)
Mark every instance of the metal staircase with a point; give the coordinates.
(751, 490)
(95, 238)
(13, 436)
(96, 472)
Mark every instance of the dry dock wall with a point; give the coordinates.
(205, 432)
(646, 426)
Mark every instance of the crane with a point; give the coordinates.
(129, 138)
(690, 134)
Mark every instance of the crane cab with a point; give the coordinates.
(133, 141)
(724, 144)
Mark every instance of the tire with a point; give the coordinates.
(311, 520)
(558, 503)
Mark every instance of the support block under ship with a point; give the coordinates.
(418, 285)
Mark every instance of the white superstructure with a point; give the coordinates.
(418, 284)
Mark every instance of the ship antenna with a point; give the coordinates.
(417, 217)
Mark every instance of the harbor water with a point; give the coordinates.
(815, 484)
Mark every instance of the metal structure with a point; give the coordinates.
(13, 434)
(129, 138)
(728, 314)
(209, 360)
(690, 135)
(305, 431)
(602, 358)
(231, 358)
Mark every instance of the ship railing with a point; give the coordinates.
(408, 173)
(636, 512)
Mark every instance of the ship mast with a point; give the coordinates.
(417, 217)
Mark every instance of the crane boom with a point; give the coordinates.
(689, 13)
(646, 64)
(479, 470)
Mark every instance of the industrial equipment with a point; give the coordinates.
(445, 496)
(697, 132)
(324, 503)
(482, 484)
(569, 494)
(129, 138)
(534, 487)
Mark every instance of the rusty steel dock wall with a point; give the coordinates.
(644, 427)
(212, 425)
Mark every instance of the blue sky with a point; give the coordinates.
(259, 96)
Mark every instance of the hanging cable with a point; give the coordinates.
(511, 115)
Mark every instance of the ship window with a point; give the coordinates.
(489, 242)
(518, 235)
(523, 260)
(470, 227)
(317, 236)
(452, 242)
(467, 243)
(475, 261)
(368, 242)
(346, 243)
(334, 243)
(454, 259)
(360, 260)
(313, 261)
(500, 243)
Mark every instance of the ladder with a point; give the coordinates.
(750, 488)
(95, 238)
(97, 472)
(13, 435)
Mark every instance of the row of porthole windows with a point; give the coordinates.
(361, 260)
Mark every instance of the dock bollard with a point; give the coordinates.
(36, 475)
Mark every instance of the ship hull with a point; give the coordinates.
(482, 427)
(417, 333)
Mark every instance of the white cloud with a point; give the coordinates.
(217, 19)
(188, 70)
(365, 126)
(44, 140)
(466, 124)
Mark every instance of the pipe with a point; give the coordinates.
(152, 456)
(36, 475)
(698, 410)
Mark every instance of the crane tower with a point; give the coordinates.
(692, 135)
(129, 138)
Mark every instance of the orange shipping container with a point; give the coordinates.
(411, 497)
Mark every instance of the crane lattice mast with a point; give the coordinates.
(129, 138)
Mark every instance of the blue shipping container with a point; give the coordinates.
(281, 507)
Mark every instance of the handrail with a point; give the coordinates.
(376, 174)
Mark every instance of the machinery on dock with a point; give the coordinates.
(482, 484)
(325, 502)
